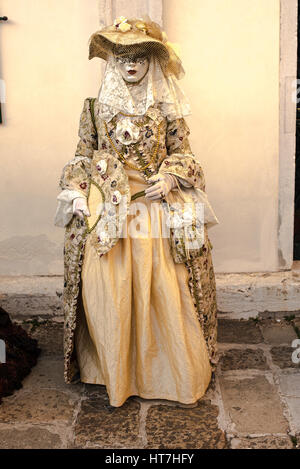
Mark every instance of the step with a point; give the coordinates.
(239, 296)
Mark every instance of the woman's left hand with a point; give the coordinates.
(162, 185)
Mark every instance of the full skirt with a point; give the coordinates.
(138, 332)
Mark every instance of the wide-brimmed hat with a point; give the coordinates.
(136, 33)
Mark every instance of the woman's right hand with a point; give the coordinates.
(80, 207)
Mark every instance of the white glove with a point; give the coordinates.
(64, 212)
(164, 184)
(80, 207)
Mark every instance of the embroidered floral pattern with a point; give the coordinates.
(202, 286)
(181, 161)
(101, 166)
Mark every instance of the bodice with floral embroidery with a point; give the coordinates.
(135, 138)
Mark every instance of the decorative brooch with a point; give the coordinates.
(127, 132)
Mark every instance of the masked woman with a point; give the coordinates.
(140, 307)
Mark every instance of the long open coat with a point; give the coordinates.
(174, 156)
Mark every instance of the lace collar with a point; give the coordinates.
(155, 89)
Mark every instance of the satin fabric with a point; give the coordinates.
(138, 333)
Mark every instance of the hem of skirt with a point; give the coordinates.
(145, 396)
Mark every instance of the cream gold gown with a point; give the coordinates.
(135, 320)
(138, 333)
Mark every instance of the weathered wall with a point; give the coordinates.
(231, 54)
(47, 73)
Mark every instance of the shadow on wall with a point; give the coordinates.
(30, 255)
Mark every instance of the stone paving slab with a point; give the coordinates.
(21, 306)
(282, 357)
(100, 425)
(278, 333)
(47, 285)
(243, 359)
(49, 374)
(236, 331)
(293, 404)
(290, 384)
(37, 406)
(296, 322)
(49, 335)
(263, 442)
(253, 405)
(170, 427)
(266, 294)
(34, 437)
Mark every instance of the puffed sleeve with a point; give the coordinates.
(76, 173)
(182, 163)
(74, 180)
(180, 160)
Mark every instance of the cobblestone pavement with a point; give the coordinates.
(253, 402)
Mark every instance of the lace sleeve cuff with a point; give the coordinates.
(64, 212)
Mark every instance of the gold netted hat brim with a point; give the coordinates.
(104, 43)
(110, 41)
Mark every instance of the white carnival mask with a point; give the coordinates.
(132, 69)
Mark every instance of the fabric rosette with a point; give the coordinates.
(127, 132)
(122, 24)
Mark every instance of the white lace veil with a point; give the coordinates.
(116, 95)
